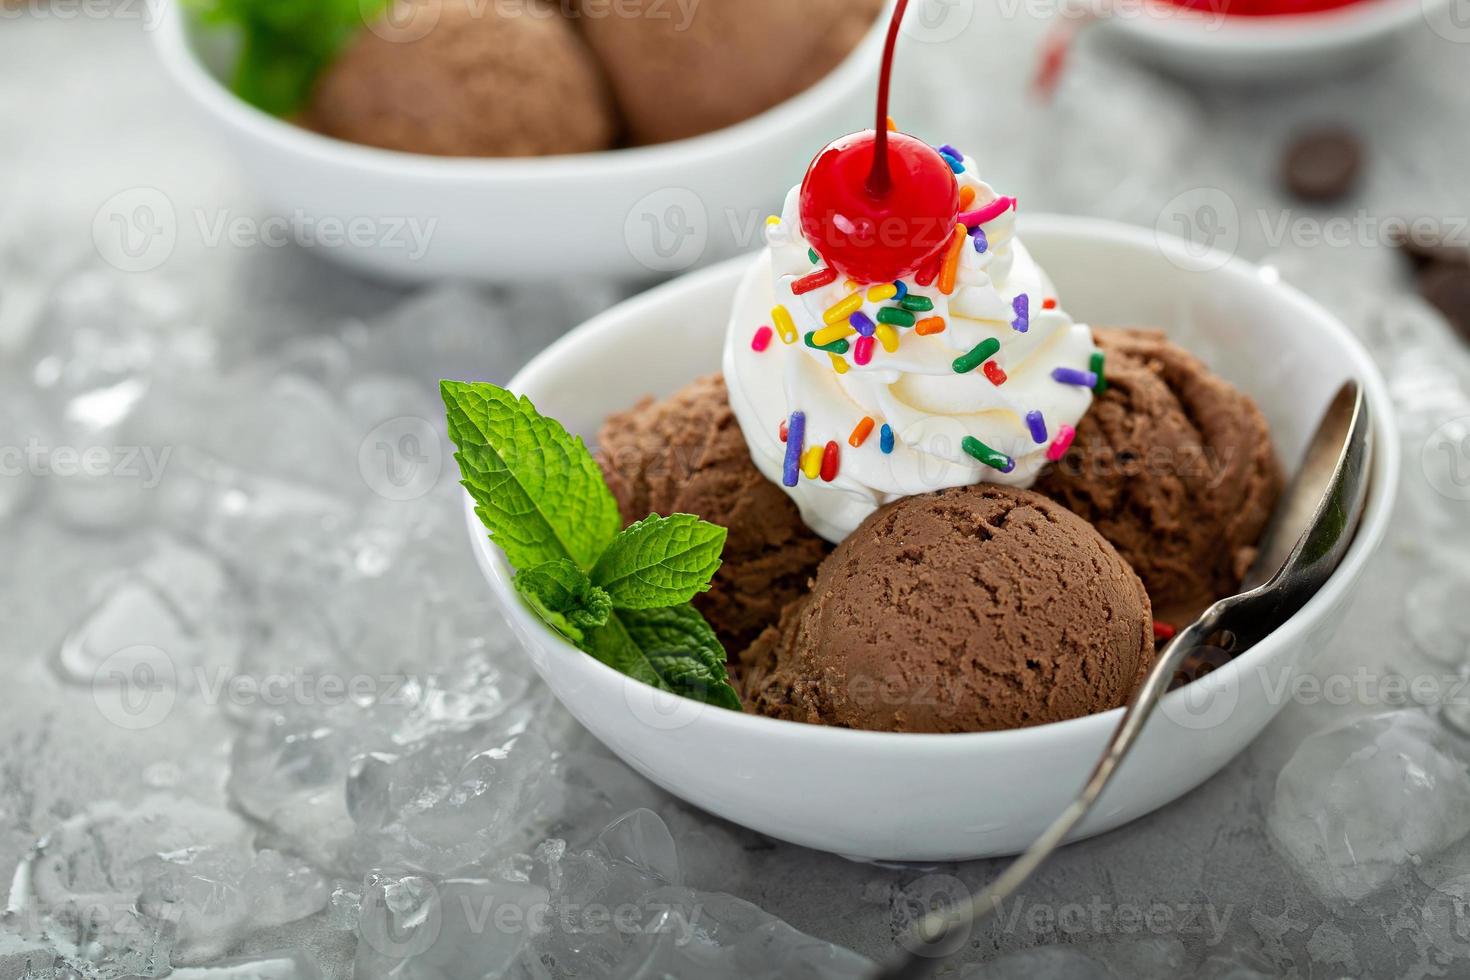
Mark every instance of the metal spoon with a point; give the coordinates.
(1309, 534)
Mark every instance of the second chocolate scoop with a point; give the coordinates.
(971, 609)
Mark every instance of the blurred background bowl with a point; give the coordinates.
(1215, 47)
(629, 213)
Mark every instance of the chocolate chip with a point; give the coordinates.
(1447, 288)
(1323, 165)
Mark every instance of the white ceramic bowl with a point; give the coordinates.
(948, 797)
(1267, 49)
(628, 213)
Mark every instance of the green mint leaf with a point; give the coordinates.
(660, 561)
(285, 45)
(672, 649)
(535, 487)
(562, 595)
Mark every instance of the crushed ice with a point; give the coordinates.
(278, 554)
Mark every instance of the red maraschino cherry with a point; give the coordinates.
(877, 205)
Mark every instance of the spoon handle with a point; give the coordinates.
(934, 929)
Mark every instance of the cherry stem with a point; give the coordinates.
(880, 180)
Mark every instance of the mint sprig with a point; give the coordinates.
(660, 561)
(565, 598)
(284, 45)
(536, 488)
(621, 596)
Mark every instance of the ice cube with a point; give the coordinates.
(344, 906)
(455, 801)
(430, 928)
(219, 894)
(22, 439)
(715, 936)
(292, 765)
(593, 790)
(1357, 803)
(288, 427)
(293, 965)
(100, 328)
(465, 333)
(1432, 617)
(1048, 962)
(616, 915)
(289, 772)
(641, 840)
(168, 612)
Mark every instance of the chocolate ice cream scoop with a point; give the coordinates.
(461, 78)
(686, 455)
(681, 69)
(1174, 466)
(971, 609)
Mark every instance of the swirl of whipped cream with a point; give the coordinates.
(983, 387)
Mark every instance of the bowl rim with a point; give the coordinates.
(175, 45)
(1167, 23)
(1379, 506)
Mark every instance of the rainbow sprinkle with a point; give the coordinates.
(838, 364)
(1096, 365)
(967, 197)
(811, 253)
(903, 289)
(832, 334)
(785, 326)
(818, 279)
(994, 373)
(949, 273)
(861, 431)
(1036, 422)
(990, 457)
(862, 352)
(838, 346)
(982, 244)
(811, 463)
(887, 336)
(761, 340)
(989, 212)
(795, 438)
(917, 304)
(845, 308)
(831, 462)
(885, 439)
(929, 325)
(882, 293)
(930, 269)
(862, 323)
(1049, 303)
(1063, 442)
(978, 355)
(782, 431)
(1022, 305)
(895, 317)
(954, 162)
(1072, 376)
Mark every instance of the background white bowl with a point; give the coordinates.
(628, 213)
(1264, 49)
(948, 797)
